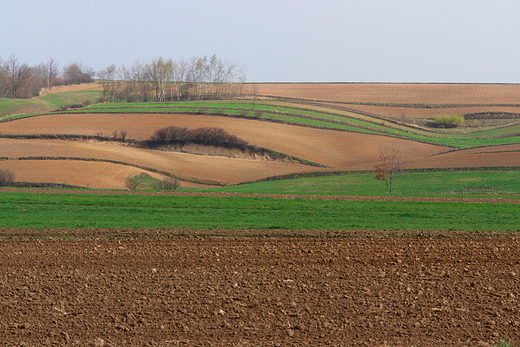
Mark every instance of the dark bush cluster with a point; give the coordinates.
(69, 107)
(6, 178)
(170, 183)
(209, 136)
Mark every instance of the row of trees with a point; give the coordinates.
(160, 80)
(19, 80)
(166, 79)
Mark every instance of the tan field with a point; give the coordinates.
(73, 88)
(334, 150)
(395, 93)
(466, 97)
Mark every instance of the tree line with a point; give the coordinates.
(20, 81)
(163, 79)
(159, 80)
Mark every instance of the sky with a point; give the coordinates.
(470, 41)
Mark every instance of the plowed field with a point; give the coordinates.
(260, 292)
(335, 149)
(395, 93)
(451, 96)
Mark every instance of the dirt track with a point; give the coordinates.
(263, 292)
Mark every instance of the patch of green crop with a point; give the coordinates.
(143, 180)
(127, 211)
(20, 106)
(460, 183)
(56, 100)
(45, 103)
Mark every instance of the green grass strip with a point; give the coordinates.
(128, 211)
(462, 182)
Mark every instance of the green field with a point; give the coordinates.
(484, 183)
(60, 210)
(45, 103)
(128, 211)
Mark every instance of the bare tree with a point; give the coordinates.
(255, 94)
(141, 76)
(161, 74)
(108, 77)
(51, 72)
(390, 165)
(76, 73)
(16, 78)
(180, 71)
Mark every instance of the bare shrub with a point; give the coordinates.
(123, 134)
(390, 166)
(216, 137)
(171, 134)
(169, 183)
(6, 178)
(132, 184)
(206, 136)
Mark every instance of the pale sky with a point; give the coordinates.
(278, 40)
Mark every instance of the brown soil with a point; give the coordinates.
(394, 93)
(260, 292)
(357, 151)
(335, 149)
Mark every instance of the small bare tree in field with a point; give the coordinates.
(390, 166)
(6, 178)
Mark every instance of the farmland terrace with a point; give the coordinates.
(335, 137)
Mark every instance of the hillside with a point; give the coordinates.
(332, 132)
